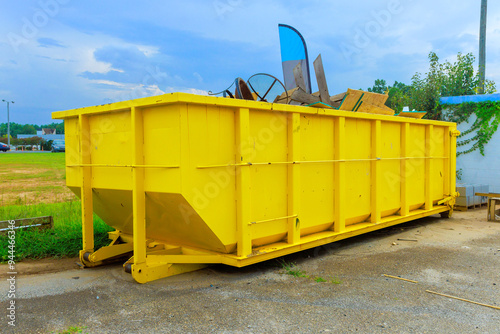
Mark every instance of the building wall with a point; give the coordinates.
(475, 168)
(46, 137)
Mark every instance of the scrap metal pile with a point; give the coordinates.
(352, 100)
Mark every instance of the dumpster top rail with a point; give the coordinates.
(172, 98)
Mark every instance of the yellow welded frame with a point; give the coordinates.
(86, 192)
(375, 175)
(153, 259)
(339, 176)
(243, 184)
(405, 207)
(293, 235)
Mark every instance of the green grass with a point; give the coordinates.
(31, 178)
(32, 185)
(73, 330)
(319, 279)
(291, 268)
(335, 280)
(46, 160)
(64, 240)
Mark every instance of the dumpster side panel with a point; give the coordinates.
(207, 167)
(415, 174)
(72, 139)
(358, 171)
(162, 147)
(390, 178)
(110, 144)
(267, 143)
(317, 185)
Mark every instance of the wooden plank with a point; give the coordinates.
(320, 105)
(464, 208)
(462, 299)
(46, 222)
(299, 77)
(487, 194)
(337, 97)
(321, 80)
(354, 97)
(370, 108)
(413, 114)
(301, 96)
(351, 99)
(283, 97)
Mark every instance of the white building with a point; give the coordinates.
(474, 167)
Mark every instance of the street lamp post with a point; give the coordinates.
(482, 46)
(8, 121)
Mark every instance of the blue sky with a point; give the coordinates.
(65, 54)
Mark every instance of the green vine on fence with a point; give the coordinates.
(486, 123)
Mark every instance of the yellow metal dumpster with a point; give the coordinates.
(190, 180)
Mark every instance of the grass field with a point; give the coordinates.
(29, 178)
(33, 185)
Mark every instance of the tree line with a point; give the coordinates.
(443, 79)
(28, 129)
(448, 79)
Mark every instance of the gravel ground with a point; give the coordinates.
(458, 256)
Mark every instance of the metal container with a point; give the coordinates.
(190, 180)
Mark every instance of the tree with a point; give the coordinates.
(445, 79)
(449, 79)
(442, 79)
(380, 87)
(398, 96)
(28, 129)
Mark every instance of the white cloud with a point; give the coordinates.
(229, 31)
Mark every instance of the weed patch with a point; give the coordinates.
(290, 268)
(64, 240)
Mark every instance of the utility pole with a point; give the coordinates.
(8, 121)
(482, 46)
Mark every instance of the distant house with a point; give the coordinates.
(47, 131)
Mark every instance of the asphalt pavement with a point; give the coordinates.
(342, 290)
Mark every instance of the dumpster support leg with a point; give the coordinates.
(138, 194)
(86, 190)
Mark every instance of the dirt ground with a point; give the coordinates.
(458, 256)
(33, 190)
(32, 178)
